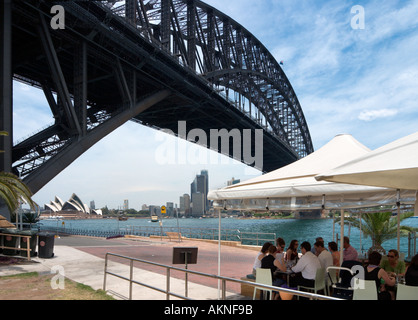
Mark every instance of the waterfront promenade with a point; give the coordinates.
(82, 260)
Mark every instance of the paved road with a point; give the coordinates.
(235, 262)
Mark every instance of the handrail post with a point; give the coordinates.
(131, 271)
(105, 273)
(168, 284)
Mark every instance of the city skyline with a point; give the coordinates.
(168, 204)
(363, 82)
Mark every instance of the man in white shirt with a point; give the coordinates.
(307, 266)
(324, 256)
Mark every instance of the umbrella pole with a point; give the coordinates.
(398, 205)
(342, 237)
(219, 254)
(361, 246)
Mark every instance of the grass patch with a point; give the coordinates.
(33, 286)
(21, 275)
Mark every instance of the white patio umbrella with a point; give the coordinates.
(294, 187)
(394, 165)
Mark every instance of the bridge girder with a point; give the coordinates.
(110, 59)
(214, 45)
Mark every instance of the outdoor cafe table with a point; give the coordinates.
(288, 272)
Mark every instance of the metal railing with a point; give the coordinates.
(256, 238)
(412, 245)
(250, 238)
(193, 233)
(247, 238)
(167, 291)
(83, 232)
(244, 237)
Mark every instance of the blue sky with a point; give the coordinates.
(363, 82)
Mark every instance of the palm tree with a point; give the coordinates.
(13, 190)
(381, 226)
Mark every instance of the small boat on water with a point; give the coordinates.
(154, 219)
(122, 218)
(52, 218)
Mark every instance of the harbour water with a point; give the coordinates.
(288, 229)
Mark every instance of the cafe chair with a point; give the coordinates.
(331, 279)
(339, 282)
(365, 290)
(319, 282)
(263, 276)
(405, 292)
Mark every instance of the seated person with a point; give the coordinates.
(324, 256)
(280, 254)
(268, 262)
(313, 250)
(306, 266)
(305, 270)
(374, 272)
(393, 265)
(333, 248)
(292, 256)
(411, 274)
(349, 252)
(257, 262)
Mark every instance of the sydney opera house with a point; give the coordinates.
(73, 208)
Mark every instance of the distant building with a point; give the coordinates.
(198, 188)
(198, 204)
(205, 173)
(233, 181)
(126, 204)
(182, 208)
(170, 209)
(185, 204)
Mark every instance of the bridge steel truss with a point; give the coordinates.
(156, 62)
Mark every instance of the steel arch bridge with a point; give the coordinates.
(156, 62)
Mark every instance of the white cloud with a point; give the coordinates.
(385, 19)
(370, 115)
(30, 111)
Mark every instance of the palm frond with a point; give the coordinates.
(380, 226)
(13, 190)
